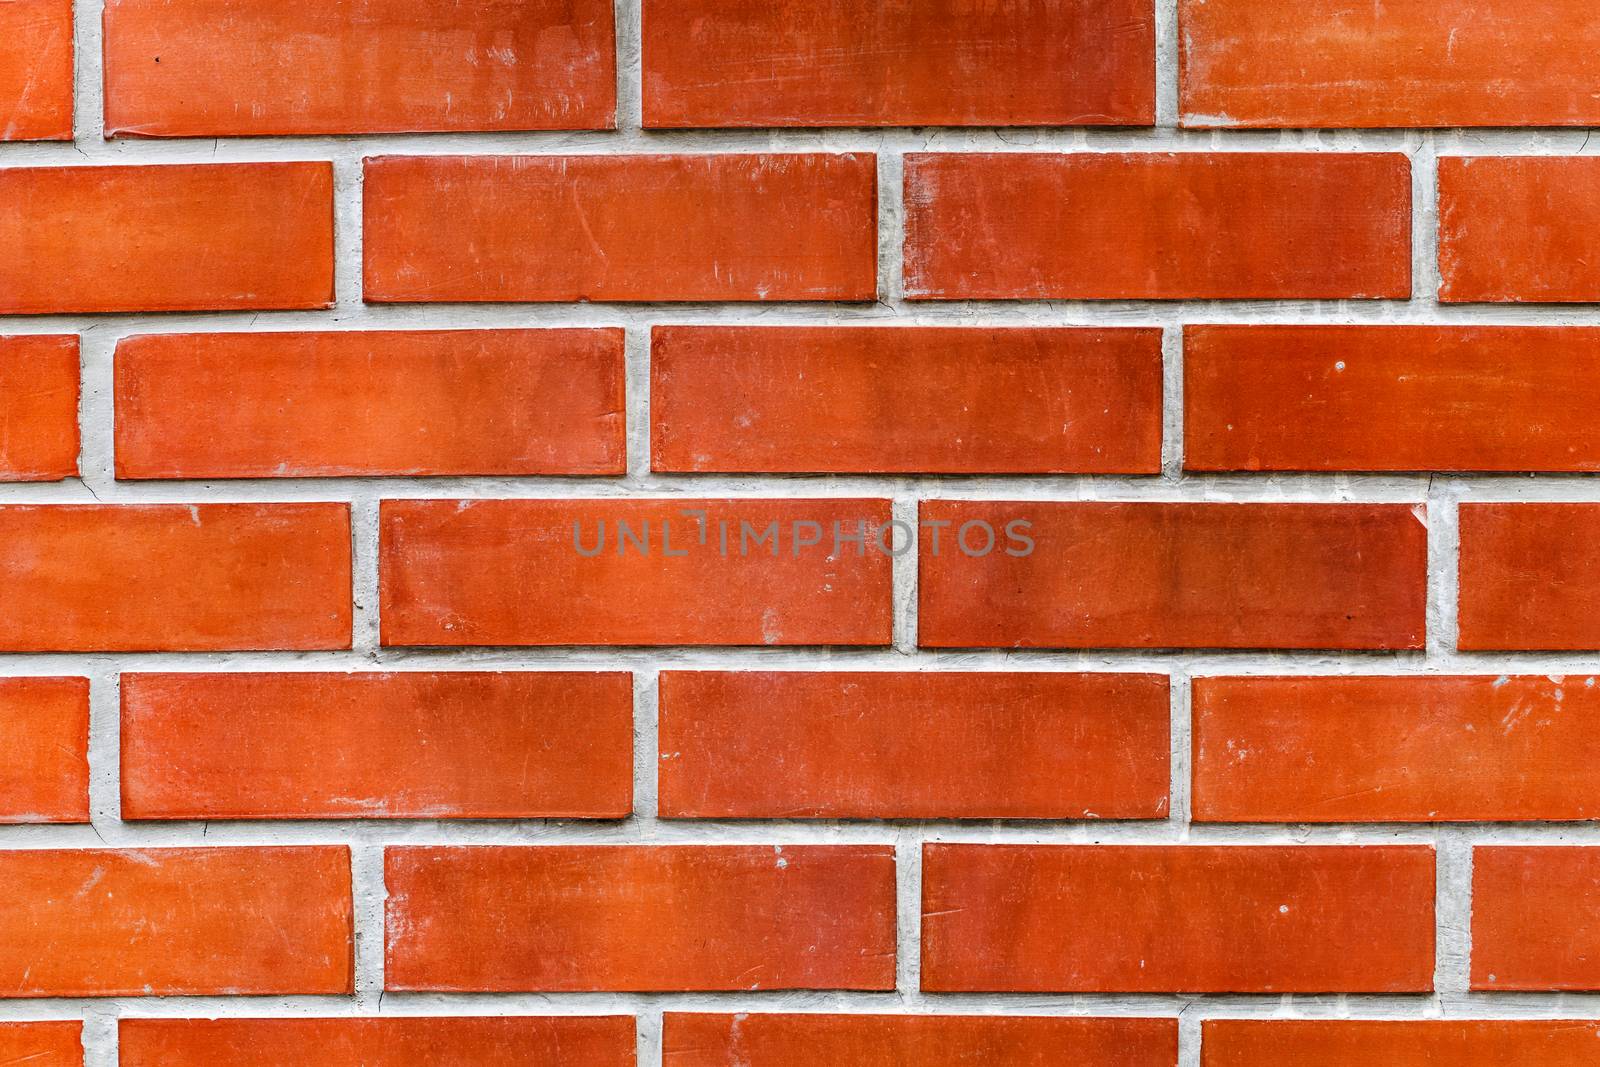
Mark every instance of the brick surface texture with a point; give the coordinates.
(799, 533)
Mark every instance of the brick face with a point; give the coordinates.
(945, 63)
(171, 238)
(36, 70)
(306, 405)
(1220, 226)
(620, 228)
(256, 67)
(720, 533)
(573, 918)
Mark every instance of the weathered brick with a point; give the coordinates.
(44, 733)
(38, 408)
(1518, 229)
(36, 70)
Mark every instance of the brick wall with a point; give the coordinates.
(1257, 338)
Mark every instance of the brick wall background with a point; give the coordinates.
(1287, 721)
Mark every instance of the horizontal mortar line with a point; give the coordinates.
(1268, 1006)
(1544, 141)
(998, 314)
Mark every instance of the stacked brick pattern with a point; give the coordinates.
(1269, 323)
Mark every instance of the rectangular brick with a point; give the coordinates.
(640, 918)
(1177, 919)
(174, 577)
(1398, 749)
(905, 400)
(1536, 918)
(1528, 577)
(620, 228)
(44, 733)
(38, 407)
(358, 403)
(43, 1044)
(1391, 398)
(412, 745)
(766, 1039)
(1518, 229)
(1210, 225)
(431, 1041)
(893, 745)
(1434, 1043)
(201, 237)
(175, 922)
(1171, 575)
(1332, 63)
(36, 70)
(573, 572)
(236, 68)
(940, 63)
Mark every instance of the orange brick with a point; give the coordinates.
(44, 733)
(634, 918)
(1399, 749)
(1344, 1042)
(47, 1044)
(307, 405)
(1233, 225)
(175, 922)
(36, 71)
(490, 745)
(211, 237)
(905, 399)
(534, 572)
(762, 1039)
(1535, 918)
(940, 63)
(38, 407)
(1528, 577)
(620, 228)
(1382, 398)
(891, 745)
(1514, 230)
(1177, 919)
(203, 68)
(174, 577)
(1160, 575)
(1333, 63)
(506, 1041)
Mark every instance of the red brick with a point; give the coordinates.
(1515, 230)
(620, 228)
(36, 71)
(175, 922)
(905, 399)
(211, 237)
(509, 572)
(1382, 398)
(1434, 1043)
(490, 745)
(636, 918)
(307, 405)
(890, 745)
(1402, 749)
(1235, 225)
(1536, 918)
(1528, 576)
(940, 63)
(1334, 63)
(44, 733)
(1177, 919)
(38, 407)
(204, 68)
(174, 577)
(1163, 575)
(772, 1040)
(507, 1041)
(47, 1044)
